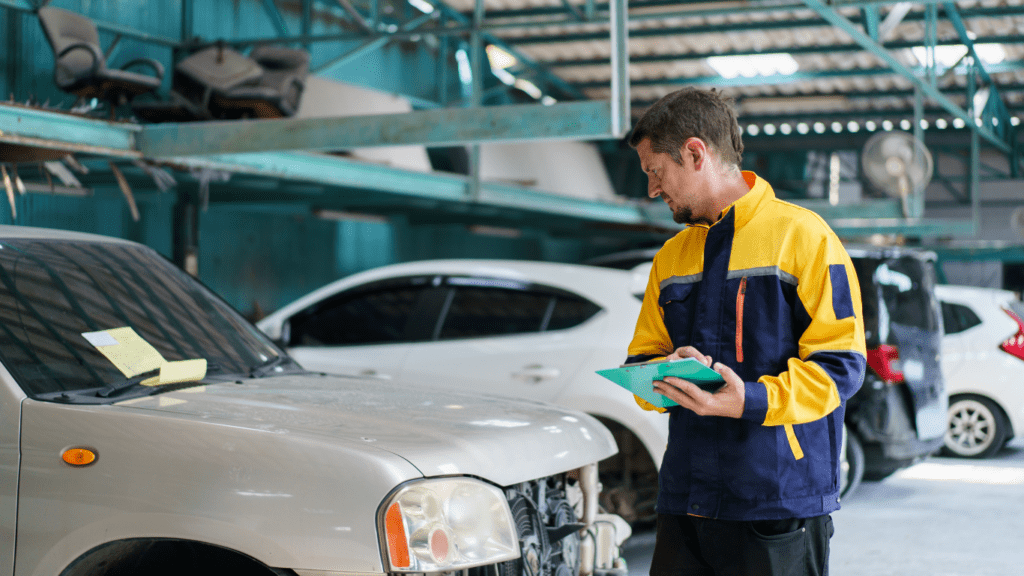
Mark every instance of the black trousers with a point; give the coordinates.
(694, 546)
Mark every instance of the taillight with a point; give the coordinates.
(884, 360)
(1014, 345)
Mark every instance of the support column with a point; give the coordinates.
(185, 229)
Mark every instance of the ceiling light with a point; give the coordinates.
(803, 128)
(529, 87)
(924, 124)
(837, 127)
(959, 123)
(905, 124)
(819, 127)
(753, 65)
(941, 124)
(785, 129)
(769, 129)
(887, 125)
(499, 58)
(422, 6)
(870, 126)
(853, 126)
(752, 129)
(1014, 121)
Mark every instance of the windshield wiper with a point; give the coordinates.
(118, 388)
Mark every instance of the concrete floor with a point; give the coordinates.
(943, 517)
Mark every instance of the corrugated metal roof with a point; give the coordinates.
(669, 43)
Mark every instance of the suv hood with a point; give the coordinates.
(439, 432)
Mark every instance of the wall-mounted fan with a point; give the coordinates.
(898, 164)
(1017, 221)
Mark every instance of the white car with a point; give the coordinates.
(983, 361)
(147, 428)
(529, 330)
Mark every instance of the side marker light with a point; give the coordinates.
(79, 456)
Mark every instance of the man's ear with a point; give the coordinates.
(696, 150)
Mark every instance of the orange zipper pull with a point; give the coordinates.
(739, 318)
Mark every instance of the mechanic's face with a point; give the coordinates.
(675, 183)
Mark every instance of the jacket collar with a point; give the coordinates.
(747, 205)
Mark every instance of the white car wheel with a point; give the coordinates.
(977, 428)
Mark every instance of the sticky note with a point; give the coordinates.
(178, 371)
(126, 350)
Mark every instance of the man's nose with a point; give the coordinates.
(653, 190)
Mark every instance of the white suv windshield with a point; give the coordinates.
(51, 292)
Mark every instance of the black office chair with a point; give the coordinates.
(196, 79)
(80, 66)
(275, 94)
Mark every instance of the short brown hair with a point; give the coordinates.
(687, 113)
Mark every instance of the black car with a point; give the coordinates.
(899, 414)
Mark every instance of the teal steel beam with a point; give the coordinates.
(22, 6)
(275, 17)
(619, 39)
(919, 228)
(369, 46)
(188, 19)
(541, 70)
(439, 127)
(574, 12)
(306, 20)
(61, 131)
(845, 25)
(870, 16)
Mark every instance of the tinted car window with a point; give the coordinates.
(571, 311)
(957, 318)
(374, 314)
(51, 292)
(479, 307)
(481, 311)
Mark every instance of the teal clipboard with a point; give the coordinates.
(639, 378)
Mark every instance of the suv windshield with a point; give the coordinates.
(53, 291)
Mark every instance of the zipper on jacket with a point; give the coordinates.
(740, 295)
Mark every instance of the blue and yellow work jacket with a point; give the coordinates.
(769, 291)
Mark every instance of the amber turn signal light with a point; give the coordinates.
(79, 456)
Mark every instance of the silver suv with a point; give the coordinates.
(146, 428)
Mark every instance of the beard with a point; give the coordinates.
(684, 215)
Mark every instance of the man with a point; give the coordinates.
(763, 292)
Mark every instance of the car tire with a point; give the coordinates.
(852, 466)
(977, 427)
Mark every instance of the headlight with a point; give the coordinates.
(447, 524)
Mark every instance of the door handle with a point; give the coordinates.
(535, 373)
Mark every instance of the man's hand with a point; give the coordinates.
(728, 401)
(689, 352)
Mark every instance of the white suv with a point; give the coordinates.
(983, 361)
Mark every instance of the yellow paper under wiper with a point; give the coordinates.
(132, 355)
(177, 372)
(126, 350)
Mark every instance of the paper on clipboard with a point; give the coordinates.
(639, 378)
